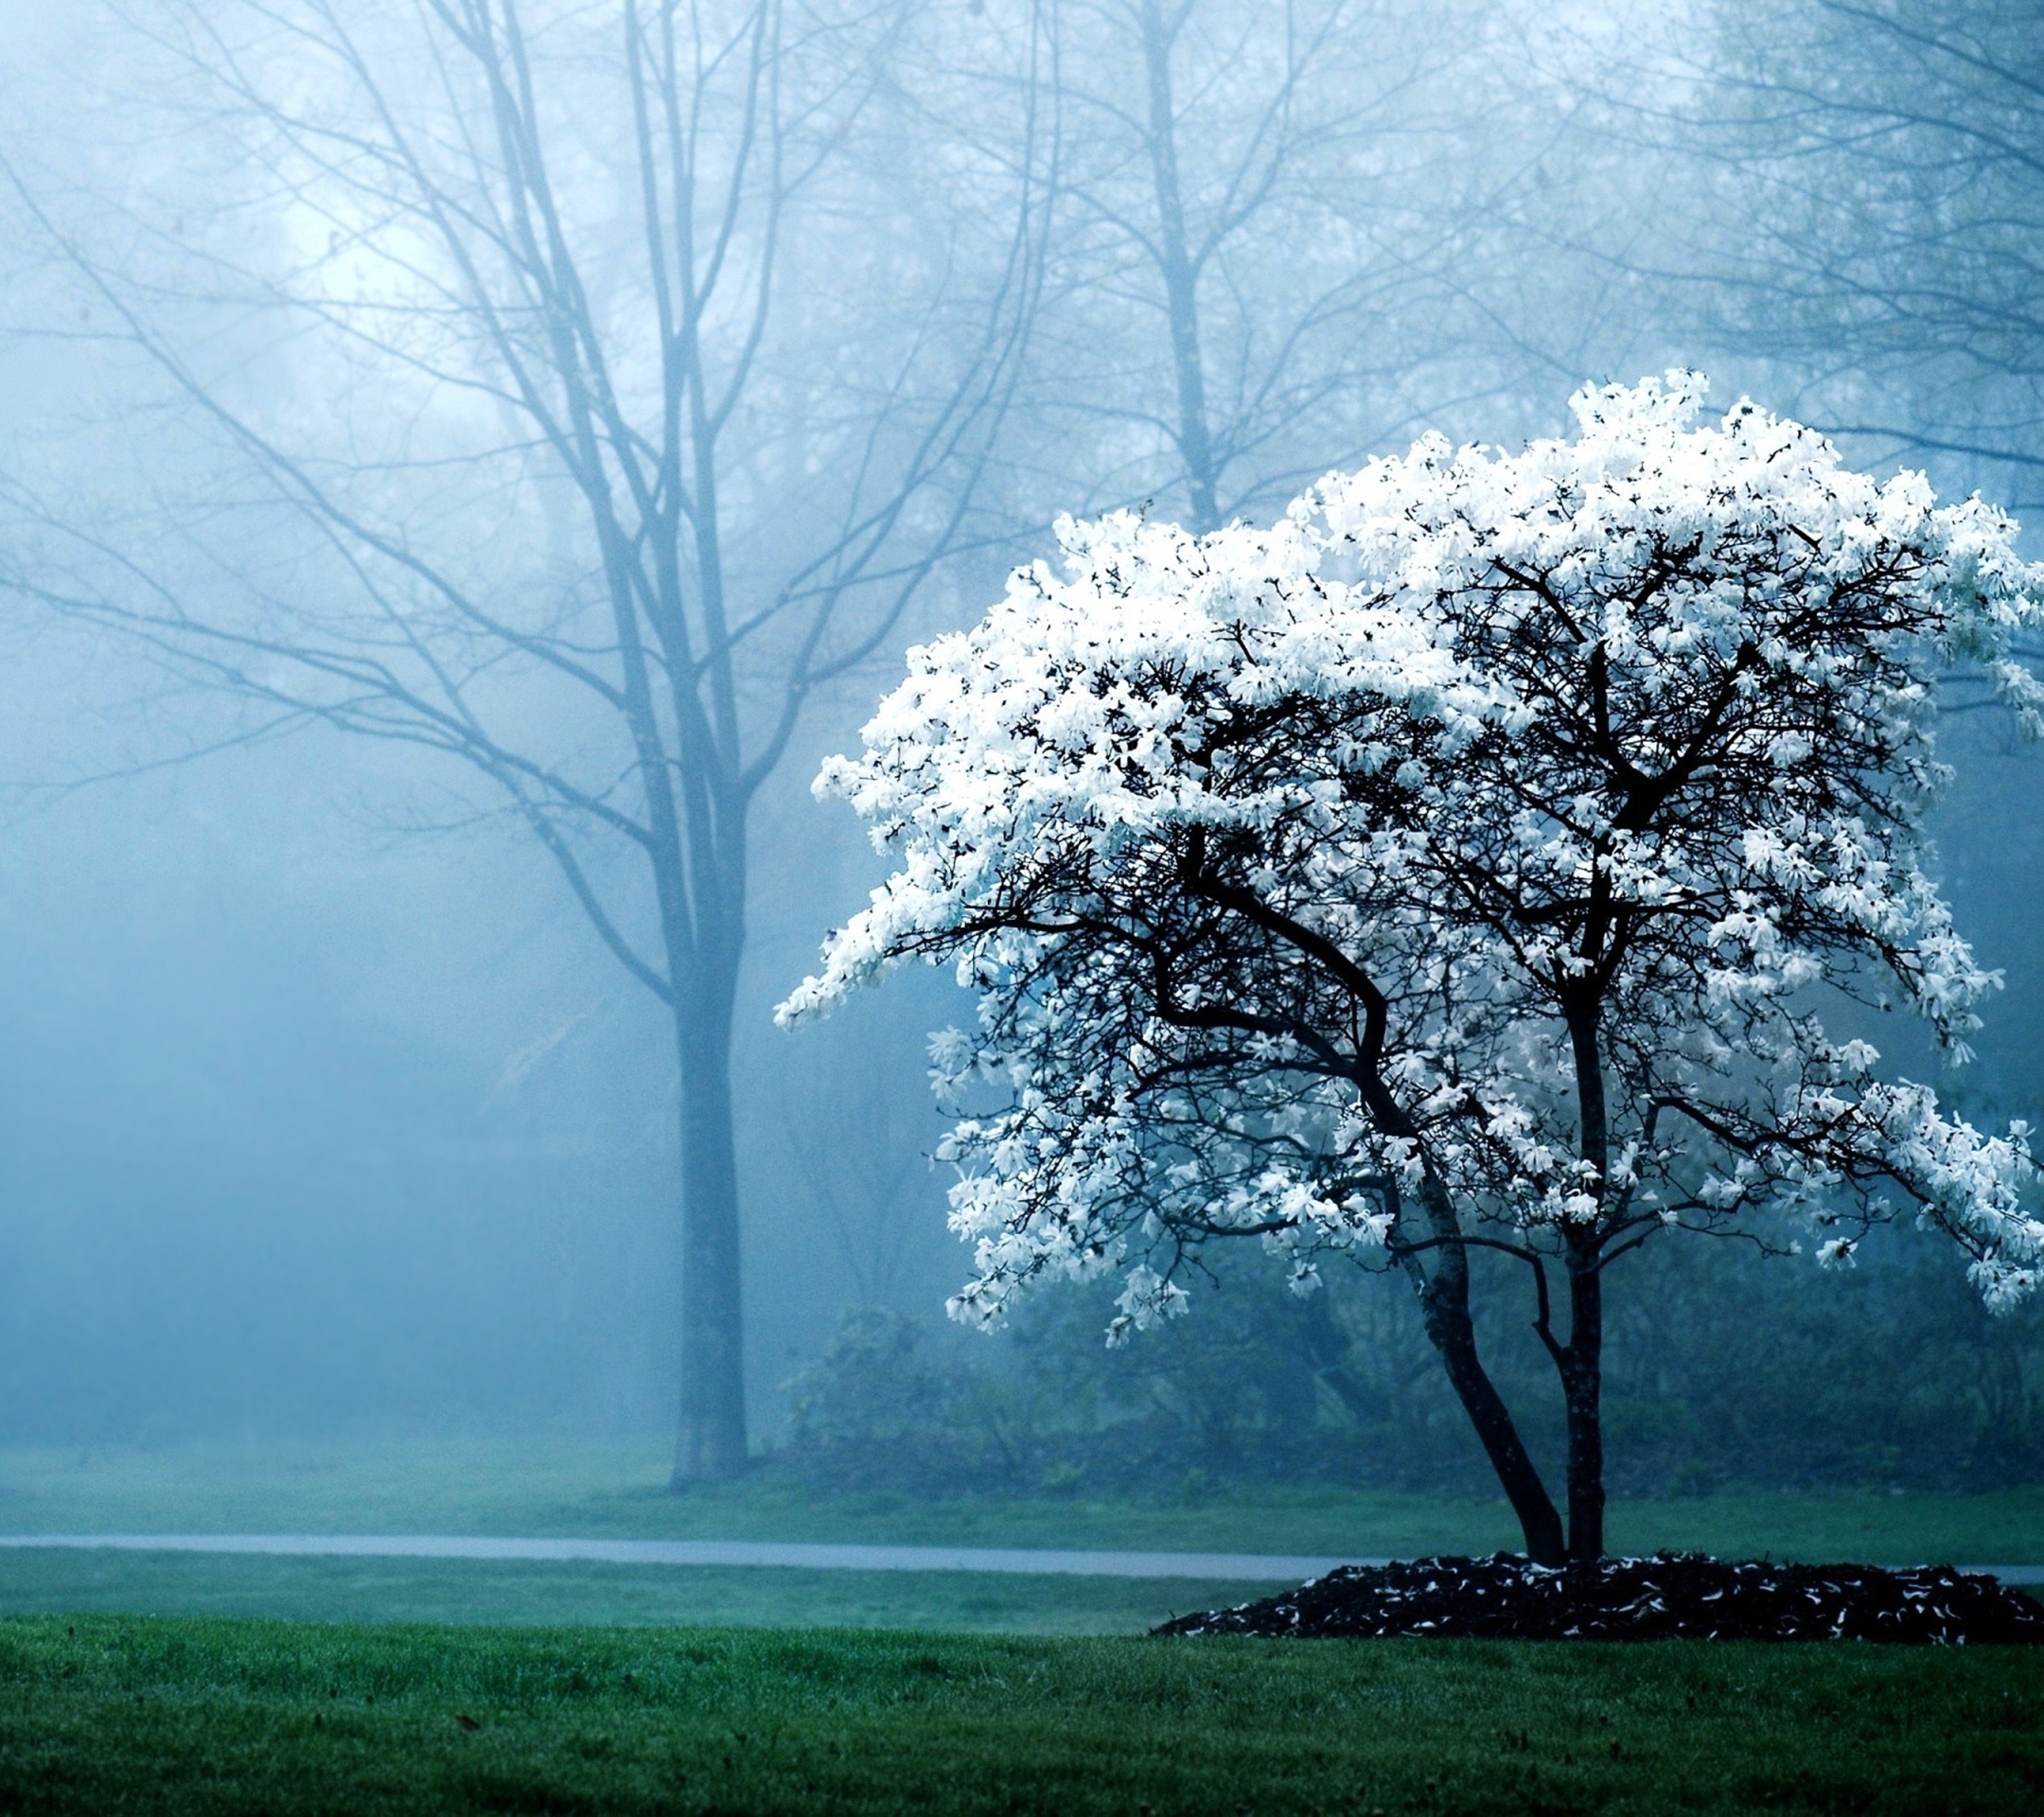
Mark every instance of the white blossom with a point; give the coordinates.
(1295, 867)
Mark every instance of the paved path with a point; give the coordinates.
(1246, 1567)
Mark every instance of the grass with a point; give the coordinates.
(524, 1594)
(143, 1685)
(208, 1715)
(590, 1488)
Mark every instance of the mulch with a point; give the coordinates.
(1671, 1595)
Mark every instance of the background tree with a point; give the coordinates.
(1471, 862)
(1856, 184)
(856, 1136)
(1269, 215)
(538, 473)
(1901, 147)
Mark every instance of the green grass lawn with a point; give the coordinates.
(103, 1713)
(519, 1593)
(590, 1488)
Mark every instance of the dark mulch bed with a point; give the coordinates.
(1671, 1595)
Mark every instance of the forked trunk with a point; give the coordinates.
(1444, 1310)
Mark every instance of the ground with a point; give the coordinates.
(587, 1487)
(698, 1691)
(100, 1712)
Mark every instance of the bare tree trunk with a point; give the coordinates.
(710, 1444)
(1178, 268)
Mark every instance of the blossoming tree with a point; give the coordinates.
(1500, 852)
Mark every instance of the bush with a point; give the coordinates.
(1757, 1374)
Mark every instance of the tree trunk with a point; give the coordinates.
(1580, 1364)
(1583, 1385)
(1327, 1351)
(711, 1444)
(1181, 276)
(1444, 1309)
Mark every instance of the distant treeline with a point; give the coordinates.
(1742, 1371)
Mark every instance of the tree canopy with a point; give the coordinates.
(1503, 850)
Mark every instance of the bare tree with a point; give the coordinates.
(598, 426)
(859, 1140)
(1844, 199)
(1899, 146)
(1264, 228)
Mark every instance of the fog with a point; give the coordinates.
(326, 1106)
(311, 1127)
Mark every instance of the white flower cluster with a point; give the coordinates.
(1476, 845)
